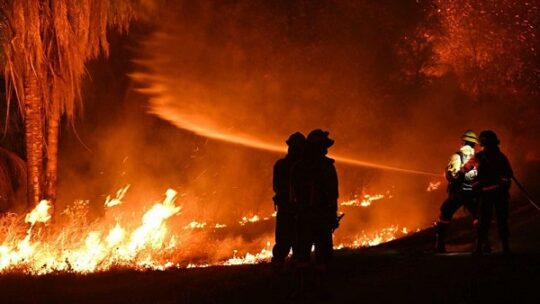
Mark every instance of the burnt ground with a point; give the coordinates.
(402, 271)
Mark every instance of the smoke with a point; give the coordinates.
(253, 72)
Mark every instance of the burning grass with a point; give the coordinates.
(157, 239)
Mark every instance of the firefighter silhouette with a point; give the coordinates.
(314, 193)
(493, 185)
(285, 217)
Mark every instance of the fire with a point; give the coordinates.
(116, 235)
(197, 225)
(152, 231)
(40, 214)
(246, 220)
(373, 239)
(366, 200)
(110, 202)
(433, 186)
(151, 242)
(264, 255)
(96, 250)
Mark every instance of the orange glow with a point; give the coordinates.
(375, 238)
(160, 107)
(366, 200)
(153, 243)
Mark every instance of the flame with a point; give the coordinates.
(197, 225)
(246, 220)
(40, 214)
(264, 255)
(433, 186)
(373, 239)
(115, 236)
(117, 200)
(97, 249)
(366, 200)
(82, 247)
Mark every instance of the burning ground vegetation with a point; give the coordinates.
(156, 238)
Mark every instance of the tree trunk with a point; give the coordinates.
(33, 112)
(51, 170)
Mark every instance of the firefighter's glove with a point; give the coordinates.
(471, 175)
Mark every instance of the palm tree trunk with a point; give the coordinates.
(51, 170)
(33, 109)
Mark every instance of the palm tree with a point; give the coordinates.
(45, 47)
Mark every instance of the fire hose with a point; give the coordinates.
(526, 194)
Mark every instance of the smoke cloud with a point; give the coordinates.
(258, 71)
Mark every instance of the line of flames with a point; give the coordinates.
(146, 246)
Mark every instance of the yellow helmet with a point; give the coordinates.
(470, 136)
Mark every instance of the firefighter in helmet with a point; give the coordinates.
(493, 185)
(460, 189)
(314, 186)
(285, 217)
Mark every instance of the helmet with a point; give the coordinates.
(470, 136)
(296, 139)
(320, 137)
(489, 138)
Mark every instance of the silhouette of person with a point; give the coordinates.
(494, 180)
(285, 217)
(314, 189)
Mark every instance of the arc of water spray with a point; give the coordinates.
(243, 140)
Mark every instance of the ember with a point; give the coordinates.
(246, 220)
(433, 186)
(366, 200)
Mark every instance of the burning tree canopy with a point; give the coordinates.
(491, 46)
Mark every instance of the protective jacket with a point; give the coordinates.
(494, 170)
(315, 186)
(282, 181)
(493, 185)
(458, 175)
(314, 194)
